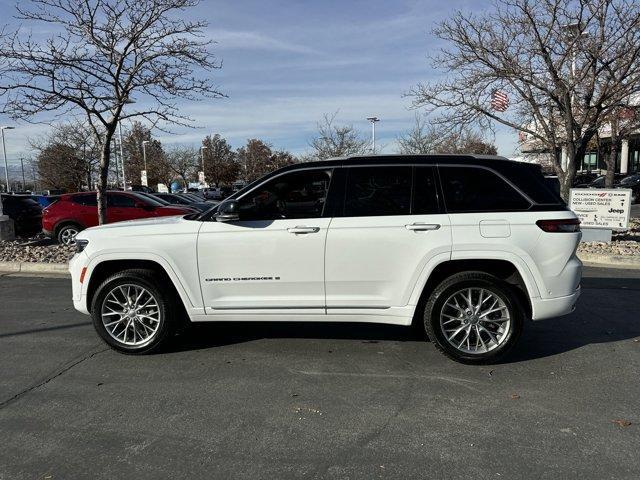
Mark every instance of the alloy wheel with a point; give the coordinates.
(475, 320)
(130, 315)
(68, 236)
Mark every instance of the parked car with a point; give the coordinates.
(46, 200)
(213, 193)
(584, 178)
(599, 181)
(197, 198)
(25, 212)
(467, 248)
(632, 182)
(74, 212)
(142, 188)
(174, 199)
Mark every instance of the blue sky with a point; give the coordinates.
(286, 63)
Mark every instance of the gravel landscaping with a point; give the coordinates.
(625, 243)
(42, 249)
(37, 249)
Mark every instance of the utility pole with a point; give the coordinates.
(144, 156)
(202, 149)
(124, 181)
(4, 151)
(115, 158)
(373, 121)
(23, 182)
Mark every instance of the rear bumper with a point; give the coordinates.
(554, 307)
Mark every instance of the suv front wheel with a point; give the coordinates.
(133, 312)
(473, 317)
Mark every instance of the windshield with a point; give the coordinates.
(193, 197)
(149, 199)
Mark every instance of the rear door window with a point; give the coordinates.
(378, 191)
(469, 189)
(425, 192)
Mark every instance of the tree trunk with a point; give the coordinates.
(566, 176)
(104, 175)
(610, 161)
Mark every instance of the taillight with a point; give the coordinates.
(566, 225)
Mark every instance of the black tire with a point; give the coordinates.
(167, 303)
(67, 232)
(479, 280)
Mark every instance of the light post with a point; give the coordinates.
(202, 149)
(144, 156)
(7, 231)
(124, 181)
(4, 151)
(373, 121)
(23, 182)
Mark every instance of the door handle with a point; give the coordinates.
(303, 230)
(422, 227)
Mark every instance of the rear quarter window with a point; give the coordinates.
(86, 199)
(531, 181)
(474, 189)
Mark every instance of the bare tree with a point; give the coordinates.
(220, 164)
(134, 153)
(103, 55)
(67, 157)
(429, 139)
(183, 162)
(563, 65)
(336, 141)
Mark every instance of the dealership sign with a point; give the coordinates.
(601, 208)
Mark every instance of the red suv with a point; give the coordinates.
(74, 212)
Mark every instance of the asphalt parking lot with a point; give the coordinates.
(318, 401)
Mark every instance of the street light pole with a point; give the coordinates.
(373, 121)
(4, 151)
(144, 156)
(124, 181)
(202, 149)
(23, 182)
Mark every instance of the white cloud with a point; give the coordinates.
(243, 40)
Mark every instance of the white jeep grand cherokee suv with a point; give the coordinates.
(466, 247)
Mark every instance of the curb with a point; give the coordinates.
(34, 267)
(610, 261)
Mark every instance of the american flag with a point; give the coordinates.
(627, 113)
(499, 100)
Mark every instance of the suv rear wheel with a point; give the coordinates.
(133, 312)
(473, 317)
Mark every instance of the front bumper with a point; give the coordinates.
(76, 264)
(554, 307)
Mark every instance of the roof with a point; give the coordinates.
(390, 159)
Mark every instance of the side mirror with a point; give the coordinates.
(229, 211)
(144, 206)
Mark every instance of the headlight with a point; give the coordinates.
(81, 244)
